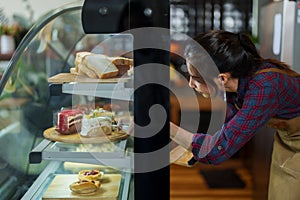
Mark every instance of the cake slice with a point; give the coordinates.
(69, 121)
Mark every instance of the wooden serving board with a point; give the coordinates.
(76, 138)
(59, 188)
(68, 77)
(180, 156)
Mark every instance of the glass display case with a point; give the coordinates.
(46, 77)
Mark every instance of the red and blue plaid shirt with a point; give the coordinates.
(260, 97)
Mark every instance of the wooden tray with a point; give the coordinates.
(68, 77)
(180, 156)
(59, 188)
(76, 138)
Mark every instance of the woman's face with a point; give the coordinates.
(224, 81)
(197, 82)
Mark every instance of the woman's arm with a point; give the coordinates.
(182, 137)
(260, 104)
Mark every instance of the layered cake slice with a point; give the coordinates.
(69, 121)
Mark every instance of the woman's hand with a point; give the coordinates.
(182, 137)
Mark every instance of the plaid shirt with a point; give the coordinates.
(260, 98)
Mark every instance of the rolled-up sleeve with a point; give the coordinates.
(211, 149)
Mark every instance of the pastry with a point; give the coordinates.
(85, 187)
(69, 121)
(89, 181)
(90, 175)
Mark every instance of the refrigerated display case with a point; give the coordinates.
(38, 83)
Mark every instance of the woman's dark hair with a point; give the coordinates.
(234, 53)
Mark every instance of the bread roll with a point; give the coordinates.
(85, 187)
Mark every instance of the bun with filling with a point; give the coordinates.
(90, 175)
(85, 187)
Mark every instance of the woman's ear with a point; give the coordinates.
(226, 81)
(224, 77)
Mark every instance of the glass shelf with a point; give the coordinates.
(105, 90)
(109, 153)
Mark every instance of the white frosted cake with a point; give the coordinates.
(97, 123)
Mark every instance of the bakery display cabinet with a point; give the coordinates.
(66, 90)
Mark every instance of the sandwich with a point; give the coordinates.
(99, 66)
